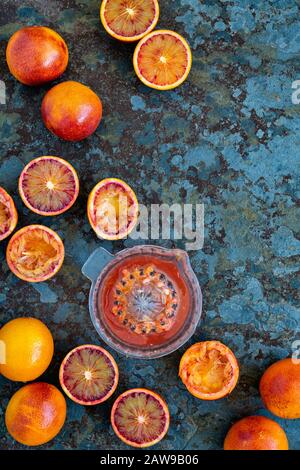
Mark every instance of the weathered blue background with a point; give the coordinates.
(229, 137)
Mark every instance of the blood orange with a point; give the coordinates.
(35, 414)
(140, 417)
(162, 60)
(49, 185)
(89, 375)
(256, 433)
(35, 253)
(209, 370)
(112, 209)
(36, 55)
(8, 214)
(71, 111)
(129, 20)
(280, 388)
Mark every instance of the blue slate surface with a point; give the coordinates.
(229, 137)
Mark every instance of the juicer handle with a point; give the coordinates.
(95, 263)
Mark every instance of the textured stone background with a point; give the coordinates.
(229, 137)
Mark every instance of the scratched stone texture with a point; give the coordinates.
(229, 138)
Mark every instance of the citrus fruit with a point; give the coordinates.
(112, 209)
(71, 111)
(49, 185)
(209, 370)
(256, 433)
(35, 253)
(162, 60)
(89, 375)
(280, 389)
(8, 214)
(28, 349)
(140, 417)
(36, 55)
(129, 20)
(35, 414)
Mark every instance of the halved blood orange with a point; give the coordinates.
(89, 375)
(49, 185)
(8, 214)
(140, 417)
(112, 209)
(162, 59)
(35, 253)
(209, 370)
(129, 20)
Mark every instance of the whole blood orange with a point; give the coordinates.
(129, 20)
(36, 55)
(49, 185)
(256, 433)
(112, 209)
(35, 253)
(280, 388)
(140, 417)
(28, 349)
(89, 375)
(8, 214)
(209, 370)
(71, 111)
(35, 414)
(162, 59)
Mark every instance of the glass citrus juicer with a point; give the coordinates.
(145, 301)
